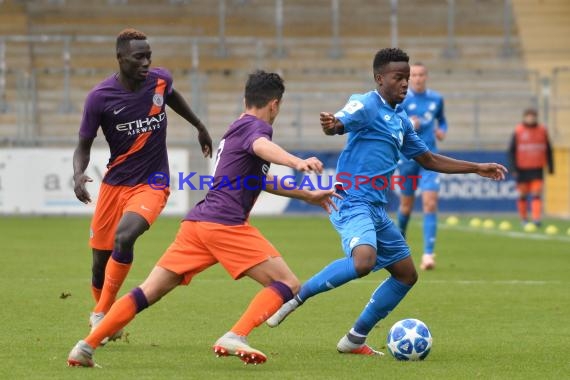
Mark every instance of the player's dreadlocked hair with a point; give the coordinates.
(127, 35)
(385, 56)
(263, 87)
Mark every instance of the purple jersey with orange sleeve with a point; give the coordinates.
(238, 175)
(134, 125)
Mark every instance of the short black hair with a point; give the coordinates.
(263, 87)
(126, 35)
(530, 111)
(385, 56)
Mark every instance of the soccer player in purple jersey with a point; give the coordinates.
(130, 108)
(217, 229)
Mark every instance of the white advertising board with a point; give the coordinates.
(40, 181)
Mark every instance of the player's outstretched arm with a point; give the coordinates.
(444, 164)
(330, 124)
(176, 101)
(273, 153)
(81, 157)
(322, 198)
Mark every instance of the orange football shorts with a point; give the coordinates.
(199, 245)
(114, 201)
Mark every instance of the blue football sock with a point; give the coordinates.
(403, 222)
(430, 230)
(384, 299)
(335, 274)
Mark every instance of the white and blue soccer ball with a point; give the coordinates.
(409, 339)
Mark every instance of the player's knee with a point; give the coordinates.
(430, 206)
(412, 278)
(409, 278)
(124, 240)
(364, 260)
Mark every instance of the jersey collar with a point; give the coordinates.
(385, 103)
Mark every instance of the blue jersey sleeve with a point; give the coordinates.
(441, 121)
(353, 115)
(412, 146)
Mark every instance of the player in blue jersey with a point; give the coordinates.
(425, 109)
(379, 130)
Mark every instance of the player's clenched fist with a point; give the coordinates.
(328, 123)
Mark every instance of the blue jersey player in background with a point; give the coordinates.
(425, 109)
(379, 130)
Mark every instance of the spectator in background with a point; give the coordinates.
(529, 152)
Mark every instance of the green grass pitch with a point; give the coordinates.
(498, 306)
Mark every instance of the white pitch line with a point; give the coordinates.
(511, 234)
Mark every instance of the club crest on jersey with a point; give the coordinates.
(353, 106)
(158, 100)
(412, 106)
(432, 106)
(353, 242)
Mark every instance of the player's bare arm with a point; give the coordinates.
(439, 134)
(273, 153)
(330, 124)
(176, 101)
(322, 198)
(444, 164)
(81, 158)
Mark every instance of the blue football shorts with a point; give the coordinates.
(359, 222)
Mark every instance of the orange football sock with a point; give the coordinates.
(115, 274)
(522, 207)
(122, 312)
(96, 293)
(536, 208)
(263, 306)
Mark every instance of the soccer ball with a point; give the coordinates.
(409, 339)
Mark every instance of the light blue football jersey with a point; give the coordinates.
(377, 135)
(428, 107)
